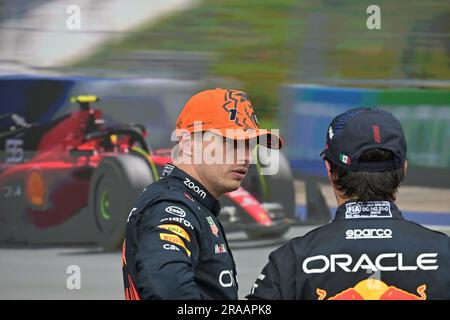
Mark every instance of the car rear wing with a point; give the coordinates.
(84, 101)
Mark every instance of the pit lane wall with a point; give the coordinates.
(307, 110)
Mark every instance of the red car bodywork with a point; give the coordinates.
(52, 184)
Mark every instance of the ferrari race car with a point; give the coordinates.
(74, 180)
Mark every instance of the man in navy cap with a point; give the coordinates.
(368, 251)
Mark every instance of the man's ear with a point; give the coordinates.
(405, 167)
(329, 173)
(328, 167)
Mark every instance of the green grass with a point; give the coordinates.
(261, 44)
(249, 39)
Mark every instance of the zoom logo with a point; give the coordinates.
(355, 234)
(196, 189)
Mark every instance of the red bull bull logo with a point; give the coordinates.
(373, 289)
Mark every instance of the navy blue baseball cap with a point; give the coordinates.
(357, 130)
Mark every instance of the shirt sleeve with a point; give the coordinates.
(277, 278)
(168, 246)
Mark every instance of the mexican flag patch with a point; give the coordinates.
(345, 159)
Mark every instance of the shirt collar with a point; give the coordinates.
(192, 187)
(352, 209)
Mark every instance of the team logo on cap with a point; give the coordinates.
(242, 119)
(330, 133)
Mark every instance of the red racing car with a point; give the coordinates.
(74, 180)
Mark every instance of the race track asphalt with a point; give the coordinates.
(41, 273)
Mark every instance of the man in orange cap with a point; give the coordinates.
(175, 246)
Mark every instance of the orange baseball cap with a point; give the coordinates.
(226, 112)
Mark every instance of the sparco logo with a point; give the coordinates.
(383, 262)
(176, 211)
(368, 234)
(192, 186)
